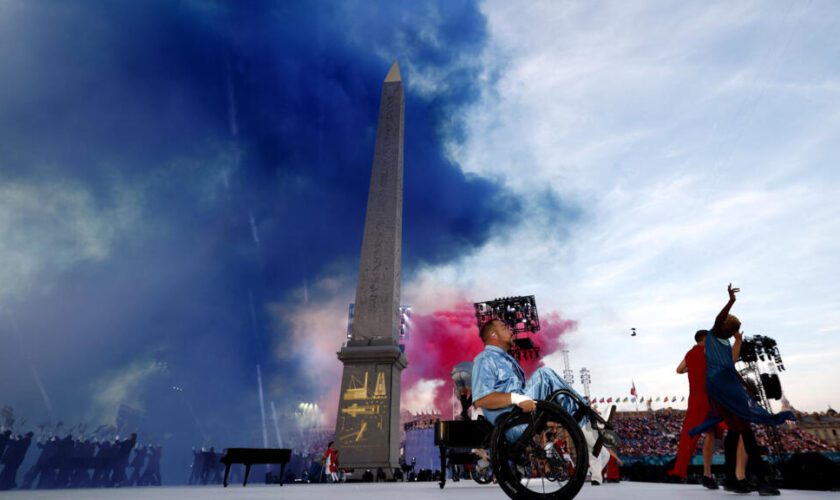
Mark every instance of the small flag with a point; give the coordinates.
(633, 388)
(657, 398)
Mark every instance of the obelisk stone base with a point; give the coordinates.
(368, 424)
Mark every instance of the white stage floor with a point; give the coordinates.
(387, 491)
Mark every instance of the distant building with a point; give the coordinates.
(419, 442)
(825, 426)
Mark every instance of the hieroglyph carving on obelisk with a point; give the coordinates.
(367, 427)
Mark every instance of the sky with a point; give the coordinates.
(183, 186)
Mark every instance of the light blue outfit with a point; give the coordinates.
(494, 370)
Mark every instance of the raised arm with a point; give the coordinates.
(721, 317)
(736, 346)
(682, 368)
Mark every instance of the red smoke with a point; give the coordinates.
(442, 339)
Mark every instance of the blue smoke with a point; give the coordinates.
(244, 133)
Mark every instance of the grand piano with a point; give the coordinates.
(251, 456)
(456, 438)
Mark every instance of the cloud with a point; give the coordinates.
(687, 147)
(187, 184)
(123, 387)
(176, 175)
(421, 396)
(52, 226)
(308, 331)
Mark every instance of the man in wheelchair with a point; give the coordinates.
(499, 385)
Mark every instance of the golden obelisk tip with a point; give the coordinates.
(394, 73)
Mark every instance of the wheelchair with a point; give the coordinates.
(544, 455)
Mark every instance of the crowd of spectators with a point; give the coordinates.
(794, 440)
(656, 433)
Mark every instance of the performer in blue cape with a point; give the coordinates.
(731, 403)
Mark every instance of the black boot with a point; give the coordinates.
(709, 482)
(765, 489)
(741, 486)
(755, 463)
(730, 452)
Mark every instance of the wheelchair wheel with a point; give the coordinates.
(540, 455)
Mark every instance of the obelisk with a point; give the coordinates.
(367, 429)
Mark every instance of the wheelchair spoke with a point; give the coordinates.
(541, 455)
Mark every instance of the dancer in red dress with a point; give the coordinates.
(331, 463)
(694, 364)
(613, 471)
